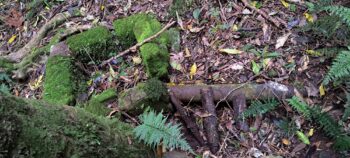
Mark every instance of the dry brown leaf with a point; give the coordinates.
(14, 18)
(282, 40)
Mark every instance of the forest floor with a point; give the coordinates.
(221, 42)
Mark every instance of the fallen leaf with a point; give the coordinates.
(15, 18)
(196, 29)
(36, 83)
(111, 71)
(309, 17)
(234, 28)
(285, 141)
(187, 52)
(230, 51)
(193, 70)
(311, 132)
(303, 137)
(12, 39)
(176, 65)
(282, 40)
(136, 60)
(313, 53)
(179, 21)
(284, 3)
(322, 91)
(102, 7)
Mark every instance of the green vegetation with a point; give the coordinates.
(258, 107)
(59, 84)
(36, 129)
(96, 103)
(92, 45)
(180, 6)
(137, 28)
(155, 131)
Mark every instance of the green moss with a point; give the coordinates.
(36, 129)
(155, 59)
(146, 28)
(96, 104)
(58, 84)
(180, 6)
(152, 94)
(92, 45)
(6, 64)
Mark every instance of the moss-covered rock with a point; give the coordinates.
(92, 45)
(155, 59)
(152, 94)
(59, 84)
(96, 103)
(36, 129)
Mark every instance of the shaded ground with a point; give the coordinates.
(207, 27)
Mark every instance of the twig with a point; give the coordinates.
(265, 15)
(134, 48)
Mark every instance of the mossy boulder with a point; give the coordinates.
(137, 28)
(59, 83)
(96, 103)
(92, 45)
(151, 94)
(36, 129)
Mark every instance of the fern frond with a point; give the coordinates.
(347, 104)
(326, 25)
(154, 130)
(330, 52)
(340, 11)
(258, 108)
(300, 106)
(327, 123)
(342, 143)
(340, 68)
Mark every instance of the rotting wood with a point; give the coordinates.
(188, 119)
(210, 123)
(239, 105)
(136, 46)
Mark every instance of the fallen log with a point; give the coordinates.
(210, 123)
(131, 98)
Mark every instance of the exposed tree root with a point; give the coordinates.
(239, 105)
(35, 41)
(210, 122)
(188, 119)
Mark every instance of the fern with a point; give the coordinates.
(258, 108)
(342, 143)
(327, 123)
(340, 68)
(155, 131)
(340, 11)
(347, 104)
(300, 106)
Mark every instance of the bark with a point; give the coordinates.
(210, 122)
(188, 119)
(30, 128)
(239, 105)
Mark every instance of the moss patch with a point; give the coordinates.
(92, 45)
(59, 85)
(96, 104)
(155, 59)
(36, 129)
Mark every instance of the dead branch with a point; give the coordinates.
(265, 15)
(210, 123)
(35, 41)
(188, 119)
(239, 105)
(135, 47)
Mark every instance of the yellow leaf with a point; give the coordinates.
(285, 141)
(284, 3)
(36, 83)
(311, 132)
(102, 7)
(171, 84)
(12, 39)
(89, 83)
(254, 4)
(187, 52)
(322, 92)
(193, 70)
(313, 52)
(234, 28)
(230, 51)
(309, 17)
(111, 71)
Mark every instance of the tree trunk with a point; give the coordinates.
(30, 128)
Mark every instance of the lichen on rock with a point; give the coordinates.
(92, 45)
(58, 83)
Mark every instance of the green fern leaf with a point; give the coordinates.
(300, 106)
(342, 143)
(340, 11)
(327, 123)
(155, 131)
(339, 69)
(258, 108)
